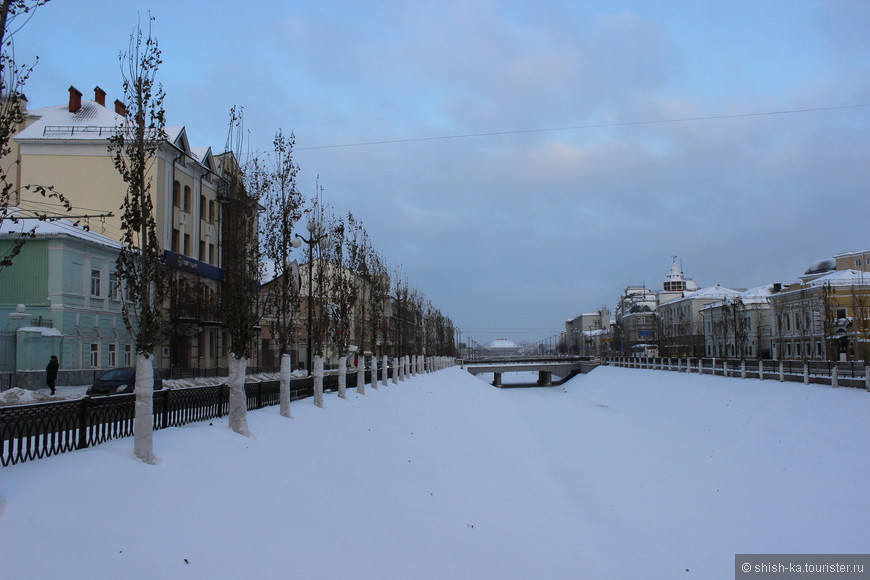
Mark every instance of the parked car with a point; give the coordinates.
(121, 380)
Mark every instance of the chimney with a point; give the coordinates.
(120, 108)
(100, 96)
(75, 99)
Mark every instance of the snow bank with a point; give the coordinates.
(622, 473)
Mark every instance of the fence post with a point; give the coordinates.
(781, 371)
(384, 372)
(83, 423)
(700, 366)
(743, 368)
(835, 377)
(760, 369)
(806, 372)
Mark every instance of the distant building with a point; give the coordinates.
(681, 329)
(501, 347)
(739, 326)
(578, 331)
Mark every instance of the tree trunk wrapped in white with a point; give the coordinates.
(317, 377)
(361, 375)
(401, 362)
(342, 377)
(284, 376)
(143, 427)
(384, 372)
(238, 411)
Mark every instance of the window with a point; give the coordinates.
(857, 261)
(128, 355)
(203, 206)
(176, 240)
(211, 212)
(176, 194)
(186, 244)
(841, 313)
(211, 256)
(96, 278)
(201, 251)
(113, 361)
(95, 355)
(114, 287)
(187, 198)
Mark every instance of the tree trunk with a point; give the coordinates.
(143, 422)
(284, 377)
(361, 375)
(238, 399)
(342, 377)
(317, 377)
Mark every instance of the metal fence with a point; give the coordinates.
(848, 373)
(29, 432)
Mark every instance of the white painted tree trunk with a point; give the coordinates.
(342, 377)
(238, 416)
(317, 377)
(396, 364)
(143, 422)
(401, 362)
(361, 375)
(384, 372)
(286, 373)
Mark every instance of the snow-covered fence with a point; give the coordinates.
(850, 373)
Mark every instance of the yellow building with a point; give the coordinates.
(66, 146)
(825, 317)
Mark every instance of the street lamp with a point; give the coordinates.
(314, 237)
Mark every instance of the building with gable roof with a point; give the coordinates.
(67, 146)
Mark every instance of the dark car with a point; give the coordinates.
(119, 381)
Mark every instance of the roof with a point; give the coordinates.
(59, 227)
(92, 122)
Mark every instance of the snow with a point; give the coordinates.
(621, 473)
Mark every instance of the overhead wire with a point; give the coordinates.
(581, 127)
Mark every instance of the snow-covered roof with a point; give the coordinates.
(502, 344)
(59, 227)
(92, 122)
(842, 278)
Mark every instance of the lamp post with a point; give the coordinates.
(314, 237)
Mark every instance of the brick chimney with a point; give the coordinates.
(120, 108)
(75, 99)
(100, 96)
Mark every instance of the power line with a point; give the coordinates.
(581, 127)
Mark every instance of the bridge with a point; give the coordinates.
(565, 367)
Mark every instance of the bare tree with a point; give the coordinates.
(283, 202)
(134, 147)
(240, 190)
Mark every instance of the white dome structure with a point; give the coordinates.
(502, 347)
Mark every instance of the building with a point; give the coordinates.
(740, 326)
(578, 328)
(61, 297)
(66, 146)
(680, 326)
(825, 317)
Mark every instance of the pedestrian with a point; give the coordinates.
(51, 373)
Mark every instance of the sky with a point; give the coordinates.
(524, 161)
(617, 474)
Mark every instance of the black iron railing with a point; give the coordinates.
(29, 432)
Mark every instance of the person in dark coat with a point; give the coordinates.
(51, 373)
